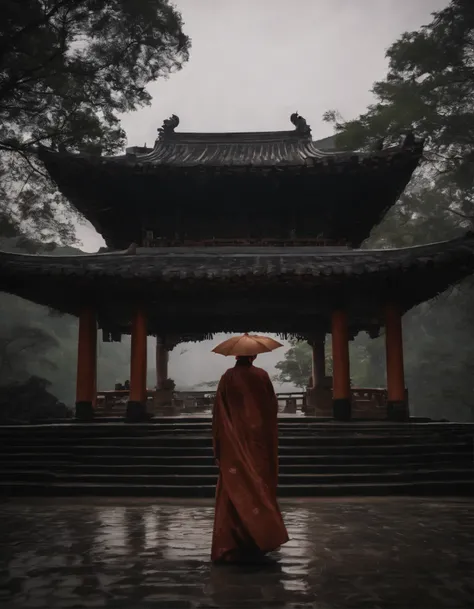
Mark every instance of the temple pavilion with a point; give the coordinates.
(234, 232)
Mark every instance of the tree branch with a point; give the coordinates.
(459, 213)
(10, 41)
(32, 167)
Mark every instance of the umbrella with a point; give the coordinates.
(247, 344)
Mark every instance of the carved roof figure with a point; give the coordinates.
(169, 125)
(300, 123)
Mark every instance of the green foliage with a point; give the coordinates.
(37, 342)
(208, 385)
(429, 89)
(30, 401)
(68, 68)
(296, 366)
(22, 346)
(169, 385)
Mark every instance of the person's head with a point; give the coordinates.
(245, 359)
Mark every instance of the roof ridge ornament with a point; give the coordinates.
(168, 126)
(302, 127)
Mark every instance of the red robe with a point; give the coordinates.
(245, 436)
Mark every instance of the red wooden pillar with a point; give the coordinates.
(86, 364)
(341, 382)
(94, 396)
(318, 367)
(162, 358)
(397, 406)
(136, 407)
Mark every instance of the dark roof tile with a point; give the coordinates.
(196, 263)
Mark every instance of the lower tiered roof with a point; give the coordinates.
(198, 290)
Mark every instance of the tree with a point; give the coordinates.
(68, 68)
(20, 347)
(53, 339)
(208, 385)
(296, 366)
(30, 401)
(429, 89)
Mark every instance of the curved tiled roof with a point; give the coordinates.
(337, 195)
(225, 263)
(198, 290)
(235, 149)
(261, 148)
(243, 149)
(274, 149)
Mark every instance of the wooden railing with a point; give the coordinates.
(368, 402)
(114, 403)
(373, 395)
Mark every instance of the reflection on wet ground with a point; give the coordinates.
(132, 554)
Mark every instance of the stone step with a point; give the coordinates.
(201, 440)
(189, 467)
(38, 463)
(174, 458)
(29, 475)
(55, 460)
(6, 450)
(187, 479)
(98, 434)
(283, 417)
(288, 417)
(206, 437)
(296, 448)
(33, 454)
(429, 488)
(184, 449)
(171, 424)
(289, 459)
(196, 479)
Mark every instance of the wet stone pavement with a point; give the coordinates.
(390, 553)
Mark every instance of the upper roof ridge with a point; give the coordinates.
(167, 133)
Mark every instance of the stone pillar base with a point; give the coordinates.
(290, 406)
(163, 397)
(319, 402)
(84, 411)
(309, 406)
(136, 412)
(163, 403)
(397, 411)
(342, 409)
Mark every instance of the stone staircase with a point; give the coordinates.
(173, 458)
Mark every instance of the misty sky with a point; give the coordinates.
(253, 63)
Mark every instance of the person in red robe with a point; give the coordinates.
(248, 521)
